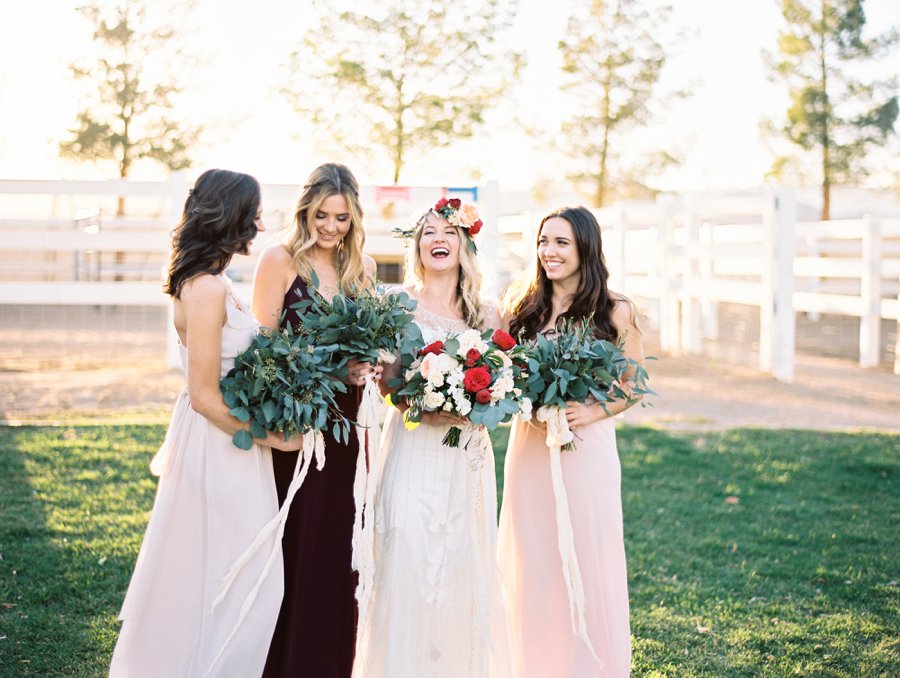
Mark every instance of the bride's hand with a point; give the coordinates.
(443, 419)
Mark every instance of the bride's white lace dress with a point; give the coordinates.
(435, 609)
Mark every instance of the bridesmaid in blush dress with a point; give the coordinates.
(212, 498)
(316, 632)
(569, 281)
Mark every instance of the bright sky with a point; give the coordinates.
(249, 127)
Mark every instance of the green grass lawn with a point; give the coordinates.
(751, 552)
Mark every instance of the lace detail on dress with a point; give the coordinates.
(436, 326)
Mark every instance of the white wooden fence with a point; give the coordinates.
(685, 267)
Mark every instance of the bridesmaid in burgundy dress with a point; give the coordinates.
(316, 632)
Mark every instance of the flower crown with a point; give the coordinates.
(458, 214)
(461, 215)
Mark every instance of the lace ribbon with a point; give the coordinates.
(313, 449)
(558, 434)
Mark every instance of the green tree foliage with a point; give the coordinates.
(129, 115)
(834, 112)
(402, 76)
(612, 61)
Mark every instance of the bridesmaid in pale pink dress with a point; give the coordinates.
(569, 281)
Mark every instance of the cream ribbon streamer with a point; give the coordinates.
(558, 435)
(365, 485)
(313, 449)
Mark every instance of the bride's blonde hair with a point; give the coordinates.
(325, 181)
(468, 301)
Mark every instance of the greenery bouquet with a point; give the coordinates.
(283, 383)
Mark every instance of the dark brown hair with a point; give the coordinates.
(219, 221)
(530, 308)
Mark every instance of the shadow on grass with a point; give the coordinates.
(73, 506)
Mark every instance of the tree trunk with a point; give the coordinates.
(826, 119)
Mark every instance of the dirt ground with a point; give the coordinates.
(98, 368)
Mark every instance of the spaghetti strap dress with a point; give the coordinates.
(315, 635)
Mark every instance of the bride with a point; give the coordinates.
(435, 607)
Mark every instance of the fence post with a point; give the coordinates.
(488, 250)
(870, 294)
(777, 322)
(691, 329)
(669, 332)
(897, 335)
(178, 189)
(708, 306)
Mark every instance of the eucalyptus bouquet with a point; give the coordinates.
(283, 383)
(361, 325)
(576, 366)
(474, 375)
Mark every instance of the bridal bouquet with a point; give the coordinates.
(474, 375)
(283, 383)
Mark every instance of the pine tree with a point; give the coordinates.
(833, 113)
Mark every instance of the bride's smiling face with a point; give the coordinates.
(439, 244)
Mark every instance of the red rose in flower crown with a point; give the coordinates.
(476, 379)
(435, 348)
(483, 396)
(503, 340)
(462, 215)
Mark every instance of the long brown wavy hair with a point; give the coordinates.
(325, 181)
(218, 221)
(529, 305)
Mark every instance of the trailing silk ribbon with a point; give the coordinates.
(365, 484)
(558, 435)
(313, 449)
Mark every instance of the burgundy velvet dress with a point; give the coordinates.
(315, 636)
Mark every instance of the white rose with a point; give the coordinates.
(463, 407)
(446, 363)
(433, 400)
(436, 378)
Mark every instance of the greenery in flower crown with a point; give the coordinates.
(283, 383)
(575, 365)
(359, 324)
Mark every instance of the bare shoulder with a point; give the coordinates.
(624, 313)
(203, 288)
(276, 257)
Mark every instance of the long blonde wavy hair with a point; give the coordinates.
(468, 300)
(325, 181)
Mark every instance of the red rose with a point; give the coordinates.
(503, 340)
(455, 203)
(474, 228)
(435, 348)
(472, 357)
(476, 378)
(440, 204)
(483, 396)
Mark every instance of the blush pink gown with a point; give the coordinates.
(544, 643)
